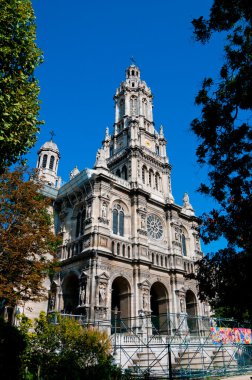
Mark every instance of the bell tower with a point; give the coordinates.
(136, 151)
(47, 163)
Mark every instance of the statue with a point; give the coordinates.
(101, 158)
(145, 300)
(143, 222)
(182, 305)
(104, 210)
(102, 294)
(89, 211)
(83, 295)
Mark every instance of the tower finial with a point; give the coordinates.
(133, 61)
(52, 134)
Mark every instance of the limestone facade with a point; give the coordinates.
(127, 247)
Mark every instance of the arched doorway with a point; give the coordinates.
(191, 310)
(159, 308)
(70, 290)
(120, 304)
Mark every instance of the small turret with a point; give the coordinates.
(47, 163)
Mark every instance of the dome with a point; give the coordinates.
(49, 145)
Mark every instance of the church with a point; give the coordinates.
(127, 247)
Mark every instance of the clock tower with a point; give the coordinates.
(137, 151)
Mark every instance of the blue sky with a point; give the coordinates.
(87, 46)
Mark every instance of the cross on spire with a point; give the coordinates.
(52, 134)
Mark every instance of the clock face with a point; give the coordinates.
(148, 143)
(155, 229)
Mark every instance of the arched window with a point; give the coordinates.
(51, 162)
(183, 241)
(144, 107)
(118, 220)
(144, 172)
(44, 162)
(121, 109)
(157, 150)
(133, 106)
(82, 222)
(118, 173)
(115, 221)
(124, 173)
(151, 174)
(78, 222)
(157, 181)
(121, 223)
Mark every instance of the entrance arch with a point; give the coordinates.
(120, 302)
(159, 308)
(70, 289)
(191, 310)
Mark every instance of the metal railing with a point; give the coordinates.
(173, 346)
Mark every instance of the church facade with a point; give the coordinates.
(126, 246)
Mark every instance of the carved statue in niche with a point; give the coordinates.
(89, 211)
(145, 299)
(83, 295)
(83, 286)
(143, 222)
(104, 210)
(182, 305)
(102, 294)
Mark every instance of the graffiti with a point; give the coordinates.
(225, 335)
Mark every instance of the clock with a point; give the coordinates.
(155, 228)
(148, 143)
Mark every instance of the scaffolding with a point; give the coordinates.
(174, 346)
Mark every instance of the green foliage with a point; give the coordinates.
(19, 90)
(27, 241)
(12, 344)
(60, 348)
(225, 145)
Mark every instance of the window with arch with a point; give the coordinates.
(151, 175)
(80, 223)
(51, 162)
(118, 220)
(118, 173)
(144, 107)
(157, 177)
(157, 150)
(183, 242)
(144, 173)
(133, 105)
(124, 172)
(121, 108)
(44, 162)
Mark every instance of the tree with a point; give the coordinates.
(19, 57)
(12, 345)
(61, 348)
(27, 240)
(225, 136)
